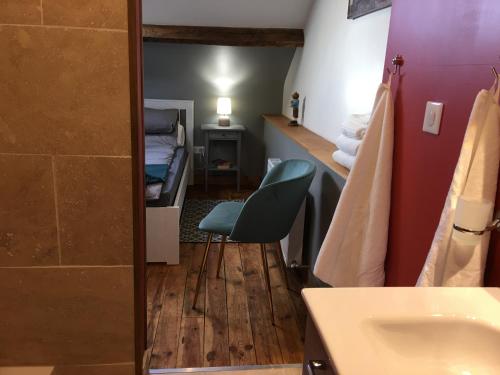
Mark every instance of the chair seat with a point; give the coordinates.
(222, 218)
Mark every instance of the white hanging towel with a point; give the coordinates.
(354, 248)
(451, 262)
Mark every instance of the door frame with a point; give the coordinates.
(138, 199)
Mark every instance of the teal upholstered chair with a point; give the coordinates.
(265, 217)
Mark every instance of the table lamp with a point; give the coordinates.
(224, 110)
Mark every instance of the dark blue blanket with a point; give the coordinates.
(156, 173)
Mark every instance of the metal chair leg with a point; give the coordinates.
(202, 269)
(268, 280)
(221, 254)
(281, 260)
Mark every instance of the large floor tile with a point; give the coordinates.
(20, 12)
(111, 14)
(64, 91)
(95, 210)
(54, 316)
(28, 233)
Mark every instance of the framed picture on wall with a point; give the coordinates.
(359, 8)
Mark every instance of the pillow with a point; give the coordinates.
(160, 121)
(181, 135)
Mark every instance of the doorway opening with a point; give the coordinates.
(218, 316)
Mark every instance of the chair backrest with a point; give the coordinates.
(269, 213)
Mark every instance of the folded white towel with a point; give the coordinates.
(348, 145)
(362, 118)
(344, 159)
(355, 126)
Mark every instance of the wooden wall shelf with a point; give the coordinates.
(316, 145)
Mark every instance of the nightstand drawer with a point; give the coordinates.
(224, 135)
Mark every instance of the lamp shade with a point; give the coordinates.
(224, 106)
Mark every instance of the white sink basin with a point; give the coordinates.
(409, 330)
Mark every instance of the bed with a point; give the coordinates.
(169, 170)
(162, 194)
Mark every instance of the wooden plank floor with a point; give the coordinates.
(231, 325)
(295, 370)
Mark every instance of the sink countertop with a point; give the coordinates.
(352, 323)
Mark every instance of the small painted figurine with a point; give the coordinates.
(295, 106)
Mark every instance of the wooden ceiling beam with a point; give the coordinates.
(224, 36)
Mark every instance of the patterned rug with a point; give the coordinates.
(193, 212)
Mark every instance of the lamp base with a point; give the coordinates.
(224, 121)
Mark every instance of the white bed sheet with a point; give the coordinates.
(160, 149)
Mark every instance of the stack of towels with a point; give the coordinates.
(353, 131)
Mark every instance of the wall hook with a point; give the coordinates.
(398, 61)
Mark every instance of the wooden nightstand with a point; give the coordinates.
(215, 133)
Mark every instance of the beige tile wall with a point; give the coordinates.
(66, 271)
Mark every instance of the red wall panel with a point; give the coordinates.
(449, 47)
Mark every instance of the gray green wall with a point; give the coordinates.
(323, 196)
(252, 76)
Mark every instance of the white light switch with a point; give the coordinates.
(432, 119)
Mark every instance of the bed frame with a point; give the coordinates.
(163, 223)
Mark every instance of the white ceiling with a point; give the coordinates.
(227, 13)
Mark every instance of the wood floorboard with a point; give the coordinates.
(190, 352)
(165, 348)
(298, 304)
(241, 345)
(260, 371)
(286, 326)
(216, 347)
(192, 278)
(233, 328)
(267, 348)
(154, 298)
